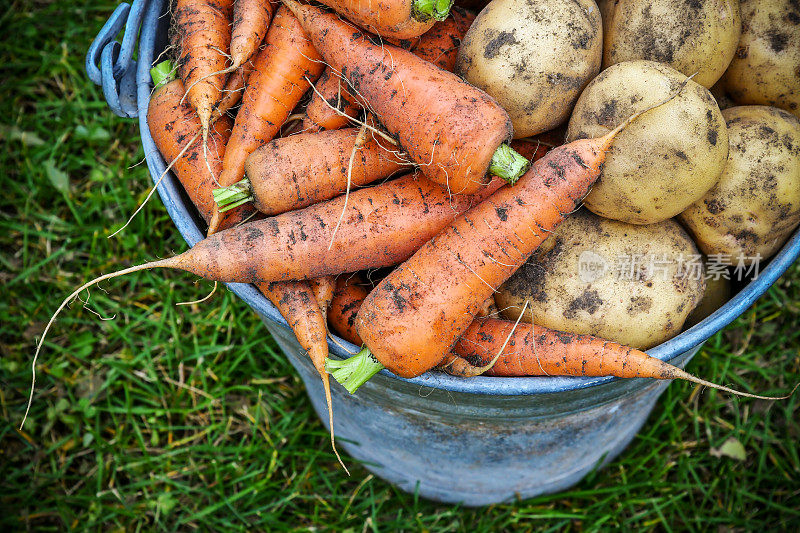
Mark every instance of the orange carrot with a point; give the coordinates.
(330, 95)
(303, 169)
(173, 123)
(332, 105)
(296, 302)
(350, 292)
(439, 45)
(274, 88)
(398, 19)
(204, 34)
(412, 319)
(521, 349)
(250, 22)
(454, 131)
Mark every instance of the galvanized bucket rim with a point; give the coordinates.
(182, 213)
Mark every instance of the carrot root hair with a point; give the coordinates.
(169, 262)
(682, 374)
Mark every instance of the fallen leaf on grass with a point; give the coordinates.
(730, 448)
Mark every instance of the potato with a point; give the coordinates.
(665, 160)
(626, 283)
(533, 57)
(755, 205)
(688, 35)
(766, 67)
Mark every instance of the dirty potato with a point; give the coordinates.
(766, 67)
(688, 35)
(665, 160)
(755, 205)
(533, 57)
(630, 284)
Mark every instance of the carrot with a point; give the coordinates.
(454, 131)
(350, 292)
(532, 150)
(174, 124)
(306, 168)
(524, 350)
(330, 95)
(250, 22)
(411, 320)
(204, 34)
(398, 19)
(495, 347)
(278, 81)
(297, 304)
(439, 45)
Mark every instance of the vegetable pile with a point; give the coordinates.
(447, 150)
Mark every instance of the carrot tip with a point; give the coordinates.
(353, 372)
(506, 163)
(424, 10)
(234, 195)
(162, 73)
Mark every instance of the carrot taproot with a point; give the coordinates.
(347, 297)
(204, 35)
(298, 305)
(397, 19)
(281, 75)
(331, 105)
(411, 320)
(454, 131)
(522, 349)
(250, 22)
(303, 169)
(439, 45)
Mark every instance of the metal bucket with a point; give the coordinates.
(476, 441)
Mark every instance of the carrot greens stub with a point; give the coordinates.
(233, 195)
(353, 372)
(163, 73)
(426, 9)
(506, 163)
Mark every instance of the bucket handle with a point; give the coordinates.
(110, 64)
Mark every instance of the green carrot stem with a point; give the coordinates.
(233, 195)
(508, 164)
(354, 371)
(424, 10)
(163, 73)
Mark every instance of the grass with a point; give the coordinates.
(189, 417)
